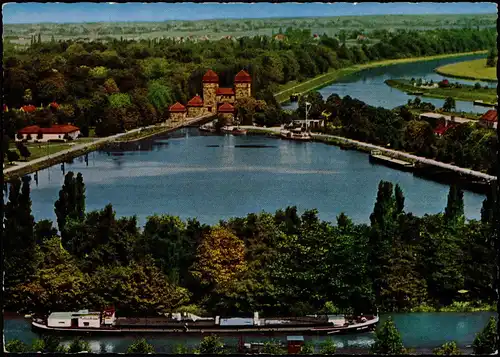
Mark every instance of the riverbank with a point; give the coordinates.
(26, 167)
(331, 76)
(351, 144)
(465, 93)
(474, 70)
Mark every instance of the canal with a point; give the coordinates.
(212, 177)
(368, 85)
(424, 331)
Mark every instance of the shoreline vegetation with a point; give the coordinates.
(473, 70)
(465, 92)
(323, 80)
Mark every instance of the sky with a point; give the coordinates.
(32, 12)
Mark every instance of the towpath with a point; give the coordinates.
(392, 153)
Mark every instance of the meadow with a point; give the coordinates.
(475, 69)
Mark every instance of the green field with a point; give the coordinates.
(466, 93)
(39, 150)
(322, 80)
(475, 69)
(216, 29)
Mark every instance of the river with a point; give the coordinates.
(368, 85)
(424, 331)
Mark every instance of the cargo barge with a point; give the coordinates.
(85, 322)
(377, 157)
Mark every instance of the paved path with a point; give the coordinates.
(393, 153)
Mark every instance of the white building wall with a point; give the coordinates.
(89, 321)
(46, 137)
(55, 322)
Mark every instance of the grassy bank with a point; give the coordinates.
(50, 162)
(331, 76)
(475, 69)
(466, 93)
(145, 133)
(456, 307)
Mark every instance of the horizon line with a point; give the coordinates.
(243, 18)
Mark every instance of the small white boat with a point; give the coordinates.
(208, 127)
(295, 134)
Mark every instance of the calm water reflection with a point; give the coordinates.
(213, 177)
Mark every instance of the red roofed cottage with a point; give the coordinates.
(489, 119)
(177, 112)
(56, 132)
(195, 107)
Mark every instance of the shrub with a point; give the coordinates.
(486, 340)
(211, 345)
(328, 347)
(16, 346)
(448, 349)
(140, 346)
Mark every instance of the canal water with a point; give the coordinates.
(424, 331)
(369, 87)
(213, 177)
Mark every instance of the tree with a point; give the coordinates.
(486, 341)
(141, 346)
(448, 349)
(449, 104)
(328, 347)
(57, 285)
(12, 156)
(79, 345)
(16, 346)
(388, 340)
(23, 150)
(454, 211)
(220, 258)
(211, 345)
(44, 231)
(71, 202)
(49, 344)
(491, 60)
(119, 100)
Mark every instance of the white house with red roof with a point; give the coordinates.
(34, 133)
(489, 119)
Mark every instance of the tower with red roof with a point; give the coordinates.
(242, 85)
(210, 86)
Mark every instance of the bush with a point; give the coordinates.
(388, 340)
(477, 86)
(272, 348)
(448, 349)
(16, 346)
(211, 345)
(486, 340)
(141, 346)
(328, 347)
(78, 345)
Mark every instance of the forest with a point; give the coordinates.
(284, 263)
(123, 84)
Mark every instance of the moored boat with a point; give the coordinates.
(86, 322)
(295, 134)
(239, 131)
(208, 127)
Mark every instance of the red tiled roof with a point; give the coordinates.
(54, 129)
(196, 101)
(226, 108)
(490, 115)
(242, 77)
(279, 37)
(211, 77)
(54, 105)
(441, 129)
(177, 108)
(225, 91)
(28, 108)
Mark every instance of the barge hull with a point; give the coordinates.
(318, 330)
